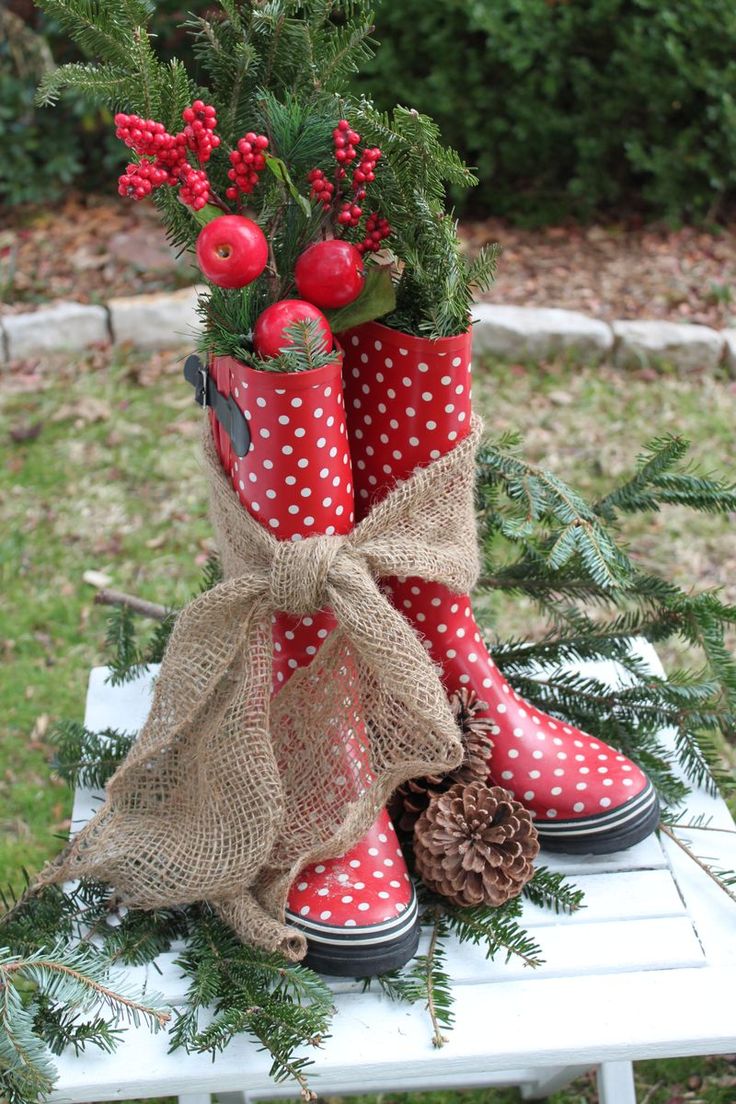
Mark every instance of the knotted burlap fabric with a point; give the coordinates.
(227, 793)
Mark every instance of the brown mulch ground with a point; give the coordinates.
(615, 271)
(95, 247)
(88, 249)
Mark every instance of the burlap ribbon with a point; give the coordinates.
(227, 793)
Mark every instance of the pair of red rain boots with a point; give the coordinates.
(319, 457)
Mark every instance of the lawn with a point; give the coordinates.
(100, 472)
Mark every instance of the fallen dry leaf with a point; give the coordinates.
(97, 579)
(27, 431)
(86, 410)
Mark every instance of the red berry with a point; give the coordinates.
(330, 273)
(232, 251)
(269, 336)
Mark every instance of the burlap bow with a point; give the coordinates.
(227, 793)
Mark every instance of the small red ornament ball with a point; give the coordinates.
(269, 337)
(232, 251)
(330, 273)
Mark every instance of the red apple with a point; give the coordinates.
(232, 251)
(330, 273)
(269, 337)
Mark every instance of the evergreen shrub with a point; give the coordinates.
(573, 108)
(612, 106)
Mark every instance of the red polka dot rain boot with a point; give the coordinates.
(408, 403)
(359, 911)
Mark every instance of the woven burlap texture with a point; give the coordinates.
(227, 793)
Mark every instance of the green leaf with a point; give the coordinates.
(280, 171)
(377, 298)
(207, 214)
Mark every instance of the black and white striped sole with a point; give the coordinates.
(614, 830)
(360, 951)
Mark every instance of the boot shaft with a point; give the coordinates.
(296, 479)
(408, 400)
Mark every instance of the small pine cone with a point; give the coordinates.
(475, 734)
(475, 845)
(411, 799)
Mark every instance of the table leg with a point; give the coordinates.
(616, 1083)
(196, 1098)
(552, 1080)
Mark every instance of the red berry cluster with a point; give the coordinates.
(350, 214)
(350, 211)
(145, 136)
(140, 178)
(366, 170)
(248, 162)
(322, 189)
(164, 157)
(195, 187)
(377, 229)
(201, 120)
(345, 141)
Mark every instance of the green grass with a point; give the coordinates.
(111, 482)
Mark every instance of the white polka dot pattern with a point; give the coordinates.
(409, 401)
(297, 480)
(293, 450)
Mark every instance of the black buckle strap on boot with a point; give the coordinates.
(226, 410)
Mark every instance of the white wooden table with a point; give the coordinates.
(646, 970)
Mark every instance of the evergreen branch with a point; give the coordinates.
(87, 759)
(654, 484)
(211, 573)
(550, 889)
(105, 84)
(127, 662)
(496, 929)
(304, 350)
(65, 983)
(346, 50)
(283, 1006)
(78, 978)
(97, 27)
(439, 994)
(725, 880)
(425, 979)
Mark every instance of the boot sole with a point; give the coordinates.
(360, 952)
(608, 832)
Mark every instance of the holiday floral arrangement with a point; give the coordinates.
(333, 757)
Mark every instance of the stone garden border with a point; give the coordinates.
(154, 321)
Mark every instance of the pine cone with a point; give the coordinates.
(475, 734)
(475, 845)
(410, 800)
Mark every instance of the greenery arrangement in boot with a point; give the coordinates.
(265, 145)
(279, 156)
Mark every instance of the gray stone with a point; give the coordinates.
(63, 326)
(729, 352)
(530, 333)
(684, 345)
(155, 321)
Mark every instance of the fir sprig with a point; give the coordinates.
(425, 980)
(68, 995)
(304, 350)
(87, 759)
(550, 889)
(282, 1005)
